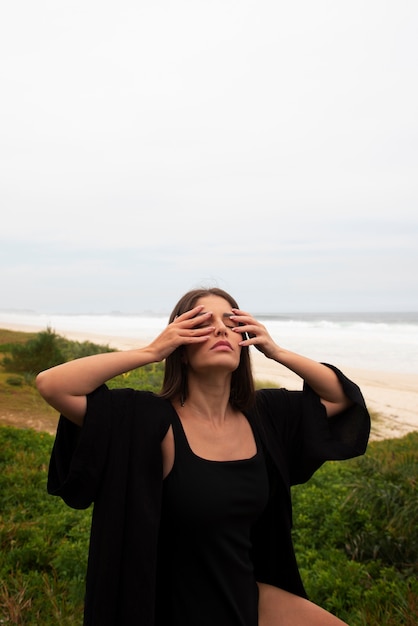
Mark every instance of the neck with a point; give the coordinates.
(208, 399)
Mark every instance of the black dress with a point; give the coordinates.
(205, 573)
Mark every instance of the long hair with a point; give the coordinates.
(242, 394)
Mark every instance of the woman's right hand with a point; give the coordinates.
(188, 328)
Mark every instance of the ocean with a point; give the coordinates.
(371, 341)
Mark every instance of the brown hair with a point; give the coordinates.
(175, 374)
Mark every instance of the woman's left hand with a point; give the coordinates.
(258, 334)
(318, 376)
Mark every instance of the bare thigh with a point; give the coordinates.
(277, 607)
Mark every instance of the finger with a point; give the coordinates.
(247, 323)
(188, 323)
(196, 332)
(195, 317)
(250, 338)
(191, 313)
(241, 313)
(246, 329)
(188, 333)
(242, 317)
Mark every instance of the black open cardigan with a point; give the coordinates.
(114, 461)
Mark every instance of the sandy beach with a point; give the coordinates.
(391, 397)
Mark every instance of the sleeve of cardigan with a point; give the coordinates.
(79, 454)
(308, 437)
(348, 432)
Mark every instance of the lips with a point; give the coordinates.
(222, 344)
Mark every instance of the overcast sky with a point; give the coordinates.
(267, 147)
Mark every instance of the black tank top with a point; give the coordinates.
(204, 575)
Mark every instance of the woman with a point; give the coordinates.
(191, 488)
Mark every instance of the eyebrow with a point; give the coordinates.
(226, 315)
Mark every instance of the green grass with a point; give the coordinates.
(356, 558)
(355, 522)
(356, 535)
(42, 542)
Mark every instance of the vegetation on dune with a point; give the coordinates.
(355, 522)
(356, 535)
(357, 544)
(22, 356)
(45, 350)
(43, 543)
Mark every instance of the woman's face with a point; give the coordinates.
(221, 349)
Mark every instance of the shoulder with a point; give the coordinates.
(276, 399)
(129, 397)
(141, 409)
(278, 415)
(275, 409)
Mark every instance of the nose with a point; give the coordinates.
(220, 327)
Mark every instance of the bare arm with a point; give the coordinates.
(319, 377)
(66, 386)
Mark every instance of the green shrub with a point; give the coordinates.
(15, 381)
(35, 355)
(386, 493)
(355, 532)
(43, 543)
(148, 378)
(46, 350)
(78, 349)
